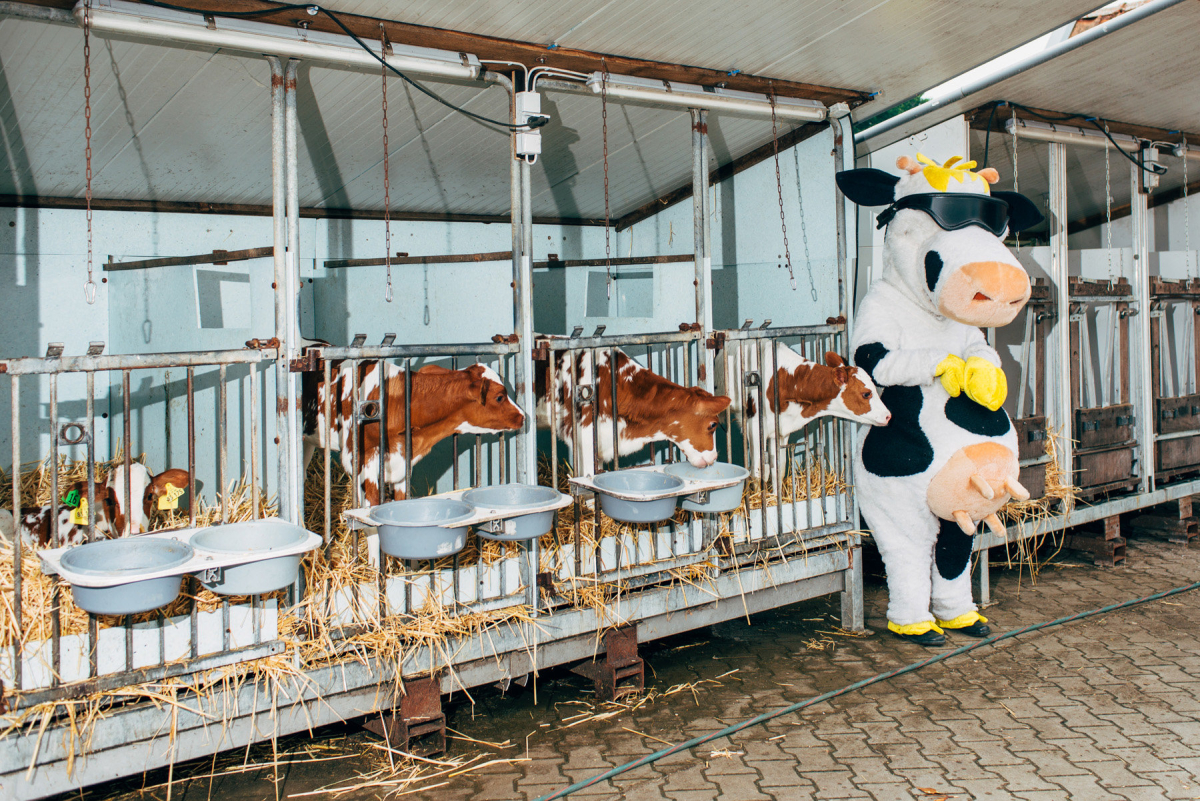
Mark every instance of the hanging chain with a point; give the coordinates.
(779, 190)
(604, 136)
(1187, 215)
(89, 288)
(812, 286)
(387, 180)
(1108, 202)
(1016, 173)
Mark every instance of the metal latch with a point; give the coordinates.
(1089, 425)
(699, 496)
(1127, 420)
(1034, 436)
(211, 575)
(505, 527)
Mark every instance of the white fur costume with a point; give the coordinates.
(902, 334)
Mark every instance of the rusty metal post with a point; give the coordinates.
(700, 237)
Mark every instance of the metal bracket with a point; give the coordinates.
(1126, 421)
(358, 341)
(310, 362)
(368, 412)
(211, 575)
(622, 672)
(1089, 425)
(751, 378)
(66, 439)
(699, 496)
(54, 350)
(419, 726)
(1036, 435)
(584, 394)
(506, 527)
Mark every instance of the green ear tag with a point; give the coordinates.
(72, 499)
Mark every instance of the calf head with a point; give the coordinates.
(857, 398)
(944, 245)
(144, 491)
(487, 409)
(693, 424)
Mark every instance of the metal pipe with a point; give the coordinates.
(416, 351)
(191, 444)
(254, 500)
(40, 13)
(279, 232)
(613, 413)
(621, 340)
(126, 411)
(408, 454)
(15, 395)
(40, 365)
(222, 443)
(523, 289)
(1059, 367)
(700, 221)
(1143, 392)
(1017, 67)
(294, 510)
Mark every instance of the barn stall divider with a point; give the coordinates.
(359, 639)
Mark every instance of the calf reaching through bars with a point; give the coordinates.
(444, 402)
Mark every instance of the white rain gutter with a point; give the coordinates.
(1017, 67)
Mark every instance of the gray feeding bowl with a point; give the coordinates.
(725, 499)
(127, 559)
(511, 499)
(413, 529)
(633, 483)
(254, 539)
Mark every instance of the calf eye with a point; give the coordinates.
(500, 398)
(712, 426)
(867, 395)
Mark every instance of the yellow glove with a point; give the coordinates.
(951, 370)
(985, 383)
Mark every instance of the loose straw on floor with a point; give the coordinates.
(900, 671)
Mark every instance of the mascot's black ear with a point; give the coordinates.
(868, 187)
(1022, 212)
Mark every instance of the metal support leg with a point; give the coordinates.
(985, 578)
(279, 215)
(622, 672)
(419, 726)
(700, 240)
(852, 592)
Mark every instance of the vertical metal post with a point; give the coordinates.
(1141, 387)
(279, 284)
(254, 499)
(1058, 348)
(15, 389)
(222, 444)
(700, 224)
(293, 510)
(191, 444)
(526, 471)
(128, 449)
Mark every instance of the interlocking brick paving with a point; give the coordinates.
(1107, 708)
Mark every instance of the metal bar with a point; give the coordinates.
(127, 425)
(597, 464)
(614, 414)
(382, 449)
(416, 351)
(280, 242)
(55, 497)
(254, 500)
(223, 443)
(1059, 367)
(408, 454)
(1141, 390)
(552, 407)
(702, 260)
(620, 340)
(328, 434)
(523, 327)
(191, 444)
(134, 361)
(503, 443)
(90, 450)
(454, 467)
(291, 507)
(779, 446)
(404, 258)
(785, 331)
(18, 638)
(761, 360)
(671, 258)
(216, 257)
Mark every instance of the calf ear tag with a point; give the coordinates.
(79, 515)
(170, 497)
(72, 499)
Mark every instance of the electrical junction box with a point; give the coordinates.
(529, 104)
(1150, 162)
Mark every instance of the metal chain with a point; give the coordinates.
(1016, 172)
(89, 288)
(779, 190)
(1108, 201)
(812, 286)
(607, 223)
(387, 181)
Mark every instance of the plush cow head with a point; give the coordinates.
(944, 242)
(488, 409)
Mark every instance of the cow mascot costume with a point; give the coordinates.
(948, 460)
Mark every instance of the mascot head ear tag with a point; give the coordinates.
(868, 187)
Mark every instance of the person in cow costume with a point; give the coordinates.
(948, 459)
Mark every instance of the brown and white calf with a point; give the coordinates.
(807, 391)
(111, 517)
(649, 409)
(444, 402)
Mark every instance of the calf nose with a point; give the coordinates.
(997, 281)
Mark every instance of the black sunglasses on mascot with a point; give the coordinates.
(954, 210)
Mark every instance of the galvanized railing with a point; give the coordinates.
(403, 587)
(819, 454)
(72, 665)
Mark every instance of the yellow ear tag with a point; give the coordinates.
(170, 498)
(79, 513)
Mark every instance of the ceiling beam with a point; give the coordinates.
(254, 210)
(745, 162)
(527, 53)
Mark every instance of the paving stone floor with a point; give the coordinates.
(1107, 708)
